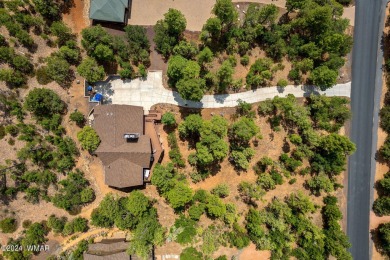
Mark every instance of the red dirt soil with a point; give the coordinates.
(75, 17)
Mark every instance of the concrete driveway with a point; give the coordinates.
(151, 91)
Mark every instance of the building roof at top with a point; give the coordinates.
(108, 10)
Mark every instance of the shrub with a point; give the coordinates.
(238, 237)
(42, 76)
(12, 130)
(221, 190)
(77, 117)
(191, 253)
(11, 141)
(245, 60)
(142, 71)
(56, 224)
(2, 132)
(295, 76)
(69, 196)
(282, 83)
(26, 223)
(8, 225)
(292, 181)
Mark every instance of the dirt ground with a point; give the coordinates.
(77, 16)
(270, 145)
(196, 12)
(240, 71)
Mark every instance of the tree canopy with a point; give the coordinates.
(89, 140)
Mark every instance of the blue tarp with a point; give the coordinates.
(97, 98)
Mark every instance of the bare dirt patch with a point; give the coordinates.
(77, 15)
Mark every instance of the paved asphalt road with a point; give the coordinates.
(365, 96)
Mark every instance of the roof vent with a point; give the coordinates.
(131, 136)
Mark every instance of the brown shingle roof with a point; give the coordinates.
(124, 161)
(122, 180)
(112, 121)
(110, 249)
(117, 256)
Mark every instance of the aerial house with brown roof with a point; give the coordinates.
(130, 144)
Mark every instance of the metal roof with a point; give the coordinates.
(108, 10)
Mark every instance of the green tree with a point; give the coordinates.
(250, 191)
(383, 231)
(58, 70)
(259, 73)
(186, 49)
(225, 11)
(137, 204)
(103, 53)
(225, 75)
(191, 126)
(89, 140)
(162, 177)
(49, 9)
(243, 130)
(381, 206)
(90, 70)
(142, 71)
(71, 55)
(34, 235)
(205, 56)
(295, 4)
(385, 118)
(215, 207)
(320, 183)
(323, 77)
(68, 196)
(93, 36)
(43, 103)
(175, 21)
(168, 119)
(179, 196)
(241, 158)
(148, 233)
(169, 31)
(22, 63)
(191, 89)
(211, 31)
(176, 66)
(138, 43)
(282, 83)
(62, 32)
